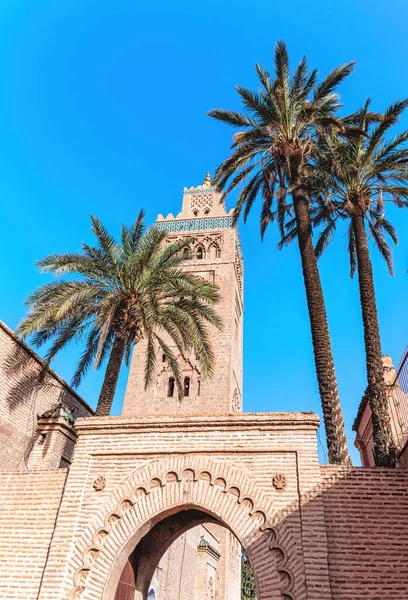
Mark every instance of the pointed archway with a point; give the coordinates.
(166, 487)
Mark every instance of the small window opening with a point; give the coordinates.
(170, 388)
(186, 254)
(200, 253)
(163, 357)
(198, 387)
(186, 386)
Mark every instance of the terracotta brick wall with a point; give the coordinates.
(23, 397)
(28, 508)
(367, 531)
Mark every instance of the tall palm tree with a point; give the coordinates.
(359, 174)
(280, 126)
(122, 293)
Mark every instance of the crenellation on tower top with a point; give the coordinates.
(202, 201)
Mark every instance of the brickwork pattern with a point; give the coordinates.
(29, 503)
(366, 521)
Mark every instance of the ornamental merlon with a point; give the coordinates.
(203, 208)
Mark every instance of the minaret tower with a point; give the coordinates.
(216, 256)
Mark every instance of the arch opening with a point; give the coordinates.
(189, 552)
(152, 594)
(220, 491)
(170, 387)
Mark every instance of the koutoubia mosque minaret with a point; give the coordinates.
(215, 255)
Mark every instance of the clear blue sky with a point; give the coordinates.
(103, 111)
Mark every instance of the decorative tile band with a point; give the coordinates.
(196, 224)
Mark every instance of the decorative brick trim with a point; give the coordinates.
(220, 488)
(276, 420)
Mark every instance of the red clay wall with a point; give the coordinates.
(367, 532)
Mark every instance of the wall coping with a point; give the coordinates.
(275, 420)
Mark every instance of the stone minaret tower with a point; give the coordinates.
(216, 255)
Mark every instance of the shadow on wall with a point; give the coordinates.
(366, 526)
(29, 390)
(28, 379)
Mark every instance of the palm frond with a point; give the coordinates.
(325, 238)
(383, 247)
(231, 117)
(332, 80)
(124, 290)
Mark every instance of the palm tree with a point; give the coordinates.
(280, 126)
(359, 174)
(122, 293)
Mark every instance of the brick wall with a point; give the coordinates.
(28, 508)
(367, 532)
(23, 397)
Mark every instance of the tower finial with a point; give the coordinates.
(207, 181)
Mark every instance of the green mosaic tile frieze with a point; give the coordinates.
(196, 224)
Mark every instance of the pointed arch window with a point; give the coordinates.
(170, 387)
(200, 253)
(214, 251)
(186, 387)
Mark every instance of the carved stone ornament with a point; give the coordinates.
(99, 484)
(210, 591)
(279, 482)
(236, 404)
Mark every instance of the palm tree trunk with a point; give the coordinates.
(111, 377)
(326, 375)
(384, 450)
